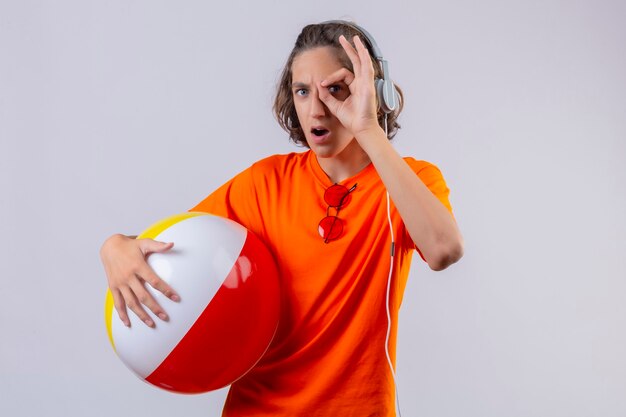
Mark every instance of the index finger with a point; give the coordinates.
(343, 74)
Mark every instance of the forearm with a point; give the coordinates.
(428, 222)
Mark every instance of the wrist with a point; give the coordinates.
(369, 130)
(368, 138)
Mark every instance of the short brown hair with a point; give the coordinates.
(313, 36)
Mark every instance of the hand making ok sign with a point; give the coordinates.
(358, 112)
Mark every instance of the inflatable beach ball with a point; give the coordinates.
(226, 318)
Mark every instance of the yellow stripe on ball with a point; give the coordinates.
(153, 231)
(108, 313)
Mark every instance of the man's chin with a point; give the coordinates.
(323, 152)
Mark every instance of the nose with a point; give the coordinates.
(318, 108)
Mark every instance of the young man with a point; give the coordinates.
(326, 216)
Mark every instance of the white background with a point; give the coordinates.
(114, 114)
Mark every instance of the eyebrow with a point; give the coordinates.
(299, 85)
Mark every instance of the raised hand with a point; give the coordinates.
(358, 112)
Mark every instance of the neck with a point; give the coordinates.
(345, 165)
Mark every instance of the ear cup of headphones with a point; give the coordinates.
(379, 94)
(387, 95)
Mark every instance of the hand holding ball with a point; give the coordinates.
(228, 313)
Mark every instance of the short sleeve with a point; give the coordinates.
(432, 177)
(236, 200)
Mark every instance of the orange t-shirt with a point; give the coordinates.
(328, 356)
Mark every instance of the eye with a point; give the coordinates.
(300, 92)
(334, 89)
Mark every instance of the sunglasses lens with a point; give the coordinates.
(330, 227)
(335, 193)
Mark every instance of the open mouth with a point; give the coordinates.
(319, 132)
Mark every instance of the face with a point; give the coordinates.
(324, 134)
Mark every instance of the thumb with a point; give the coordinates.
(150, 246)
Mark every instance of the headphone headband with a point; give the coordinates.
(370, 39)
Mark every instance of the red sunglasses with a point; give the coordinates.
(336, 196)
